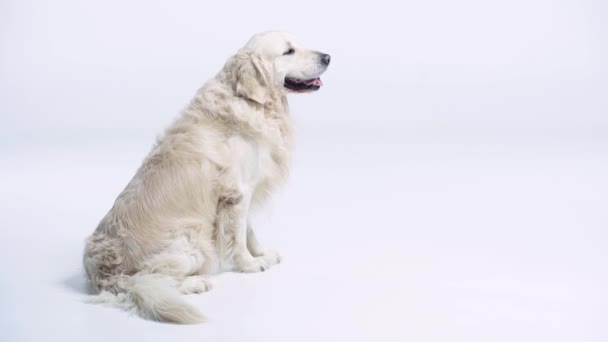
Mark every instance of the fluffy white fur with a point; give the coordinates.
(186, 211)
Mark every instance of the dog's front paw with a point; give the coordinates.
(271, 257)
(259, 263)
(252, 265)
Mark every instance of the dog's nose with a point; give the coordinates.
(325, 58)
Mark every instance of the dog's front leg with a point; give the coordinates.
(232, 232)
(271, 257)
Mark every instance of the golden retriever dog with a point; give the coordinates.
(186, 212)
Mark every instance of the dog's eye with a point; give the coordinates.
(289, 52)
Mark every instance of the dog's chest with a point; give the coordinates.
(258, 162)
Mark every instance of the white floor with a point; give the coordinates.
(421, 240)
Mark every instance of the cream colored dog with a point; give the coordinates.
(186, 211)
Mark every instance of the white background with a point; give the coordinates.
(449, 183)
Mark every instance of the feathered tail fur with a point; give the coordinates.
(152, 296)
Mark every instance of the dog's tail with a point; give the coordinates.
(150, 295)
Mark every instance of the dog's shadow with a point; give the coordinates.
(79, 284)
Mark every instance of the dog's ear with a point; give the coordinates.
(251, 79)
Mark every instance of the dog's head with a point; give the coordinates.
(275, 62)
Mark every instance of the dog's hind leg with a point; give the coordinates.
(195, 284)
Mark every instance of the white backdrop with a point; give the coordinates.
(449, 180)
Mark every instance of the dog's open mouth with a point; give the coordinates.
(296, 84)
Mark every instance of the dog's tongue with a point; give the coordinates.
(314, 82)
